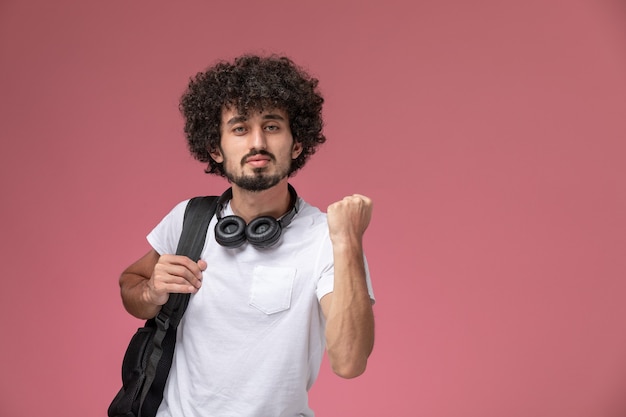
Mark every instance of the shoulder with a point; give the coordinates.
(177, 213)
(164, 237)
(310, 214)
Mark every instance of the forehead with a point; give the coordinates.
(231, 115)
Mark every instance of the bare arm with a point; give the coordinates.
(146, 284)
(348, 309)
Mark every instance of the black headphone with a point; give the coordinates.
(262, 232)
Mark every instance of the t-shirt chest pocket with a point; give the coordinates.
(271, 288)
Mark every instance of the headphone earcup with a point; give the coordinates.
(263, 232)
(230, 231)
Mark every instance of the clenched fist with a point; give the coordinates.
(348, 219)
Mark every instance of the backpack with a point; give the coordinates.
(148, 358)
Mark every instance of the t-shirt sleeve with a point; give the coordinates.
(165, 236)
(325, 284)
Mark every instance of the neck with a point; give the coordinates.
(273, 202)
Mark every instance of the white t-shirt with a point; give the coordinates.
(252, 339)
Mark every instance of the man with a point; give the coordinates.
(262, 308)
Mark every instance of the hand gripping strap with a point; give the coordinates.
(198, 214)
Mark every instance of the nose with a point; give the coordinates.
(257, 139)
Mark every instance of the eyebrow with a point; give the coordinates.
(272, 116)
(268, 116)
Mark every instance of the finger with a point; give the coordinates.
(358, 199)
(183, 288)
(192, 277)
(363, 198)
(161, 296)
(185, 262)
(167, 273)
(202, 265)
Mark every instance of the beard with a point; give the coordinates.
(255, 182)
(259, 180)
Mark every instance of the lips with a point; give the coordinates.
(258, 158)
(258, 161)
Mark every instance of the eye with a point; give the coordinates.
(239, 130)
(272, 128)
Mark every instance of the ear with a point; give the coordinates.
(216, 154)
(296, 150)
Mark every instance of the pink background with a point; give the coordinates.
(490, 135)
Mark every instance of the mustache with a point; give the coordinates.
(258, 152)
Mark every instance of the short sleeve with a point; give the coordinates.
(165, 236)
(325, 284)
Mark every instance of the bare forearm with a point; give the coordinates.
(350, 319)
(133, 289)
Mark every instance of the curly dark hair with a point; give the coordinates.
(250, 84)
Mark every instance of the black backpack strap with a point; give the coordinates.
(198, 215)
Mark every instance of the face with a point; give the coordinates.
(256, 150)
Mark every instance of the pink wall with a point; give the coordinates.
(490, 135)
